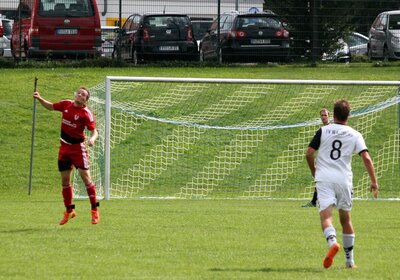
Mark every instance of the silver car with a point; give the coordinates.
(357, 43)
(384, 36)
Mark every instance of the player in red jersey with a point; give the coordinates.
(75, 118)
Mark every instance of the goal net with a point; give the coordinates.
(232, 138)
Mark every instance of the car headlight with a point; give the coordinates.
(344, 50)
(395, 41)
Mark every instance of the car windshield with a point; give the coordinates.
(394, 22)
(354, 40)
(166, 21)
(259, 22)
(200, 28)
(62, 8)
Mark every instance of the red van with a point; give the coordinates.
(56, 28)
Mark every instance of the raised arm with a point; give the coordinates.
(369, 165)
(46, 104)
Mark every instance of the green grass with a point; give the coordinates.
(55, 83)
(189, 239)
(166, 239)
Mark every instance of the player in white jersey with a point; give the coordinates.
(332, 171)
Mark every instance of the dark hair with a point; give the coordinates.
(341, 110)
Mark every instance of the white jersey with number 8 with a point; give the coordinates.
(336, 144)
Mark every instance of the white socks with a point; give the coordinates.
(348, 244)
(330, 234)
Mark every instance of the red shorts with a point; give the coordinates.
(73, 155)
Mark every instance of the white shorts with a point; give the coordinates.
(334, 194)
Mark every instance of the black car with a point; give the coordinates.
(261, 36)
(157, 36)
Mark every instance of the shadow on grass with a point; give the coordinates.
(266, 269)
(52, 229)
(21, 230)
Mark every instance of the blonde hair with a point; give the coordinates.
(324, 109)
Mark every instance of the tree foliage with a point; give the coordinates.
(332, 18)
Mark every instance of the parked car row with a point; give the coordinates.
(383, 41)
(251, 35)
(71, 28)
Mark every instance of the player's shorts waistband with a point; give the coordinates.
(63, 142)
(65, 138)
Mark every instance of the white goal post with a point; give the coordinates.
(231, 138)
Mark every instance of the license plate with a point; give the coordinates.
(169, 48)
(67, 31)
(261, 41)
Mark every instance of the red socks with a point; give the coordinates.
(91, 191)
(67, 195)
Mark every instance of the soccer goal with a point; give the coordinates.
(232, 138)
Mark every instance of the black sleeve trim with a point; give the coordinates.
(316, 141)
(365, 150)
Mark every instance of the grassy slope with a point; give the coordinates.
(16, 105)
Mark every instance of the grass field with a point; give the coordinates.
(189, 239)
(167, 239)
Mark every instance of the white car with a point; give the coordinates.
(341, 53)
(5, 36)
(358, 43)
(353, 44)
(108, 36)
